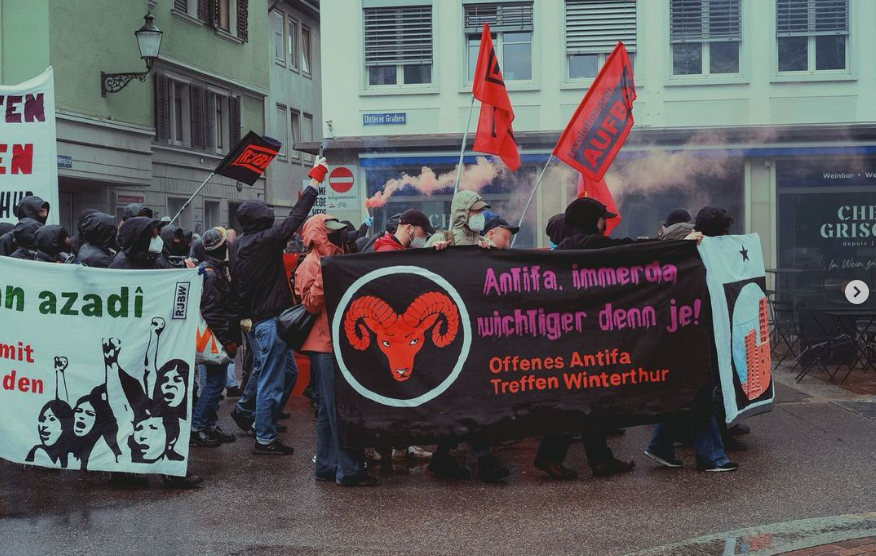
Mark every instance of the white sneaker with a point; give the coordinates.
(372, 454)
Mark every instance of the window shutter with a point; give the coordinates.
(398, 36)
(209, 115)
(181, 5)
(233, 121)
(505, 16)
(197, 109)
(162, 108)
(214, 13)
(808, 17)
(705, 20)
(204, 11)
(595, 26)
(243, 20)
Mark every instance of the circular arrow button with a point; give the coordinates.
(857, 292)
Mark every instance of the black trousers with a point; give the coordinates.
(555, 447)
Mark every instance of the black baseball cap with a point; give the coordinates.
(415, 217)
(499, 222)
(581, 211)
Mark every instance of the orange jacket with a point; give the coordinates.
(308, 282)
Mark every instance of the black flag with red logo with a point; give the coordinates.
(250, 158)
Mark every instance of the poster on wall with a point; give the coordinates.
(28, 148)
(96, 366)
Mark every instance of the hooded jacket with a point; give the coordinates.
(29, 207)
(78, 240)
(459, 234)
(51, 244)
(134, 238)
(217, 307)
(308, 282)
(677, 231)
(24, 236)
(388, 242)
(99, 232)
(133, 210)
(174, 249)
(261, 282)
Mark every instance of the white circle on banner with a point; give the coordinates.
(336, 336)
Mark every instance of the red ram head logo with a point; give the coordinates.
(401, 337)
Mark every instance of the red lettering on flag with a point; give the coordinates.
(255, 158)
(21, 161)
(602, 121)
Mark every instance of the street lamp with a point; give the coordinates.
(149, 42)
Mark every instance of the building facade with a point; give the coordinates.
(155, 141)
(765, 107)
(294, 99)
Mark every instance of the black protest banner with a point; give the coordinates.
(471, 344)
(249, 158)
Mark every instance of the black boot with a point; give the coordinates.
(189, 481)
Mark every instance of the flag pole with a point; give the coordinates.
(462, 148)
(190, 199)
(531, 195)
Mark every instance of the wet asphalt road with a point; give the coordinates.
(809, 458)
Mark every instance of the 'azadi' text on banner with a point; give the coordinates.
(473, 344)
(96, 366)
(28, 150)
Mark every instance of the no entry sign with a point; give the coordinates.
(341, 179)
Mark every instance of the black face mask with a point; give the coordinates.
(219, 253)
(337, 239)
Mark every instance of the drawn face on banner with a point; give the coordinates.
(84, 418)
(149, 441)
(422, 323)
(750, 343)
(171, 383)
(50, 427)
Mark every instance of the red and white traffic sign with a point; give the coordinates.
(341, 179)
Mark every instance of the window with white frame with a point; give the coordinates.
(706, 36)
(813, 36)
(226, 15)
(308, 135)
(188, 7)
(281, 129)
(306, 50)
(398, 46)
(292, 44)
(180, 133)
(219, 121)
(278, 24)
(593, 28)
(511, 26)
(295, 120)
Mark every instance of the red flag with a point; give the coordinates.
(603, 120)
(494, 135)
(599, 191)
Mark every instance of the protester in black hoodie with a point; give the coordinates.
(141, 245)
(31, 207)
(174, 251)
(99, 232)
(5, 228)
(53, 245)
(220, 314)
(24, 236)
(263, 293)
(78, 240)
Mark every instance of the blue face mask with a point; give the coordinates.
(553, 245)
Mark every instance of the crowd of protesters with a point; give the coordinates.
(247, 285)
